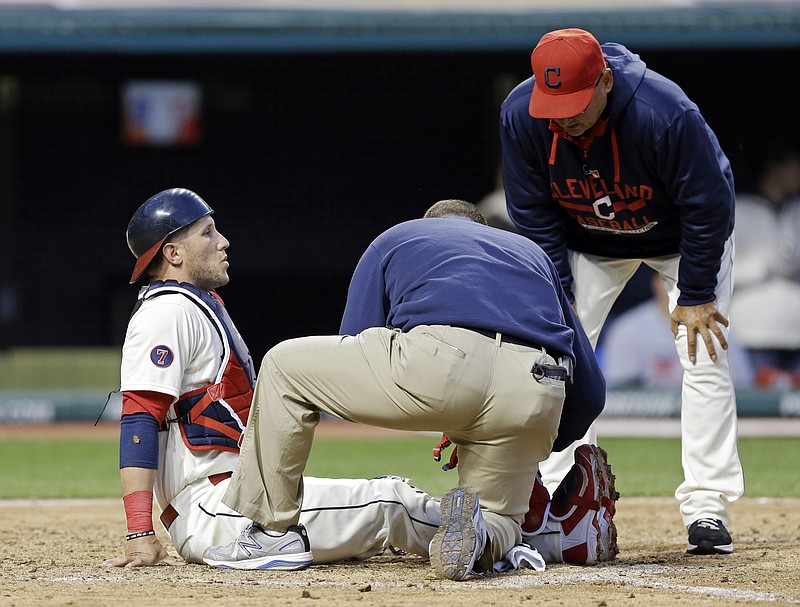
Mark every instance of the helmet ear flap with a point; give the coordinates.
(144, 260)
(159, 217)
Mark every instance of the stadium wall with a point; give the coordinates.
(317, 131)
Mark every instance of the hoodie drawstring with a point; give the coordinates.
(553, 148)
(615, 151)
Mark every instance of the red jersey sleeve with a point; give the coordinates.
(144, 401)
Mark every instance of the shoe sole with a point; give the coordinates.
(452, 549)
(605, 480)
(292, 563)
(708, 547)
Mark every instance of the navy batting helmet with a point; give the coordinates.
(158, 218)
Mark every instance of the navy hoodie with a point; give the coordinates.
(654, 182)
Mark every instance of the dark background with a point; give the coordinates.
(305, 157)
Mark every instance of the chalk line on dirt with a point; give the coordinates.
(636, 576)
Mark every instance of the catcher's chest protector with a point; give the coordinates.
(214, 416)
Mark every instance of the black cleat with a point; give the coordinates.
(709, 536)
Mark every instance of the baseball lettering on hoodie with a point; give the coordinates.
(589, 201)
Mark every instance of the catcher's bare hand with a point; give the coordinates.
(704, 319)
(143, 552)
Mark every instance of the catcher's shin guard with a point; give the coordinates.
(585, 503)
(539, 531)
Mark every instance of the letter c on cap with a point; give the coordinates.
(555, 72)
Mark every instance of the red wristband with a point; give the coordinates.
(139, 511)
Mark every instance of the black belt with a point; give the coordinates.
(507, 339)
(562, 371)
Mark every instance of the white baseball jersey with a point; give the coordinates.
(173, 346)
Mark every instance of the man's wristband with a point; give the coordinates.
(138, 534)
(139, 511)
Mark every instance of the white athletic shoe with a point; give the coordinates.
(257, 548)
(461, 538)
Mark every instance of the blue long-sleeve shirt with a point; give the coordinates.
(454, 271)
(653, 181)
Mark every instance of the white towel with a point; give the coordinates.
(520, 557)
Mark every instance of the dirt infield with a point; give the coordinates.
(53, 550)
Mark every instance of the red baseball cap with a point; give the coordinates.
(566, 64)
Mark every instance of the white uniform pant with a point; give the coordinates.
(477, 389)
(712, 471)
(345, 518)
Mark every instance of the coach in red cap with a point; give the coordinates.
(608, 165)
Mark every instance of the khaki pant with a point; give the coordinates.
(434, 378)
